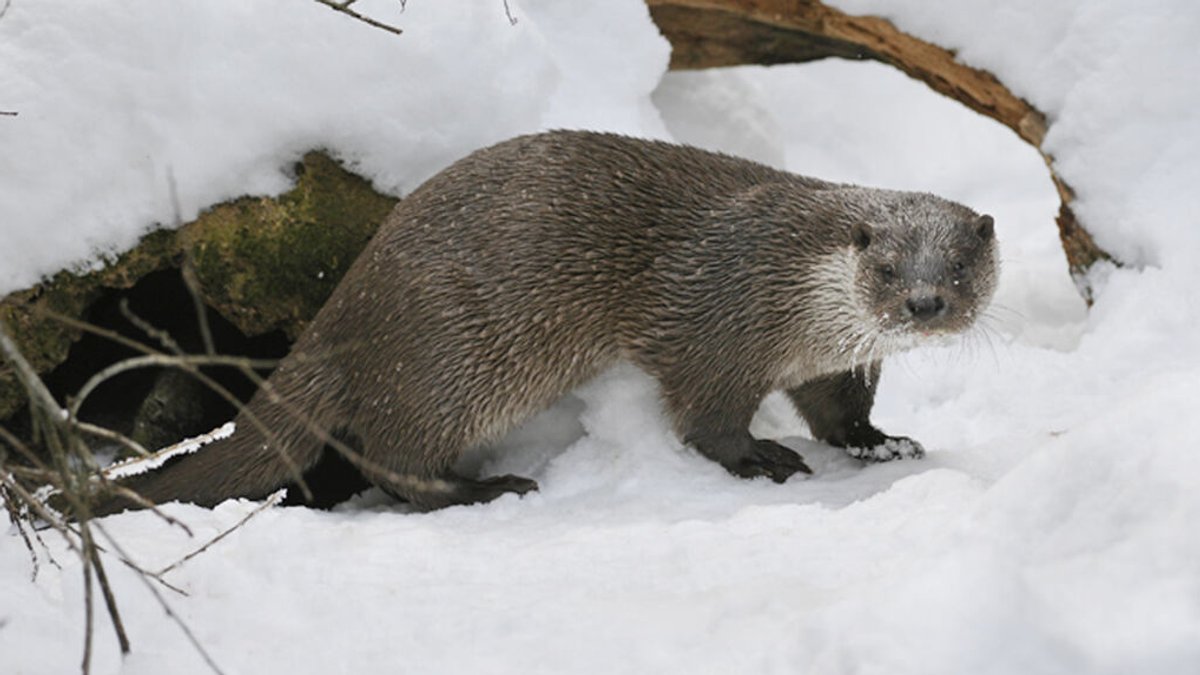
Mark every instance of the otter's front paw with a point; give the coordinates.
(892, 447)
(770, 459)
(743, 455)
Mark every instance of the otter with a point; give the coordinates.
(528, 267)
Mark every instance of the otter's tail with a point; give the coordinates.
(273, 444)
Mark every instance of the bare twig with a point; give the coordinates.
(35, 505)
(86, 327)
(10, 439)
(71, 462)
(166, 584)
(165, 605)
(344, 8)
(18, 502)
(110, 601)
(164, 338)
(512, 20)
(14, 517)
(109, 435)
(43, 475)
(189, 363)
(224, 393)
(273, 500)
(9, 113)
(157, 360)
(74, 476)
(188, 271)
(89, 608)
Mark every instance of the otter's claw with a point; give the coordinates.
(499, 485)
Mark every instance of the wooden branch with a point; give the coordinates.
(708, 33)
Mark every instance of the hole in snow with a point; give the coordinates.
(158, 406)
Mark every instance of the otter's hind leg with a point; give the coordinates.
(450, 489)
(838, 407)
(430, 484)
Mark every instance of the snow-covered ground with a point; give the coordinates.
(1053, 528)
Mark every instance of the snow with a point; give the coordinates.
(1050, 529)
(222, 96)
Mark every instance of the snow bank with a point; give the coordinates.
(1051, 529)
(223, 95)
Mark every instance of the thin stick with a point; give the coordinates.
(17, 444)
(273, 500)
(187, 272)
(133, 566)
(245, 365)
(166, 607)
(105, 333)
(110, 435)
(36, 507)
(189, 363)
(344, 8)
(89, 605)
(164, 338)
(110, 601)
(141, 501)
(15, 517)
(155, 360)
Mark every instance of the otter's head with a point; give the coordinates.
(925, 266)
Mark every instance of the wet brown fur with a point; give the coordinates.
(525, 269)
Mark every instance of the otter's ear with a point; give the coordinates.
(860, 235)
(985, 227)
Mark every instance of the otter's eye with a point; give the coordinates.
(958, 269)
(887, 272)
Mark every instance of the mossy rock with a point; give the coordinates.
(263, 263)
(269, 263)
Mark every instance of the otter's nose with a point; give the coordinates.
(925, 306)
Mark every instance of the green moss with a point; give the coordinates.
(269, 264)
(264, 263)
